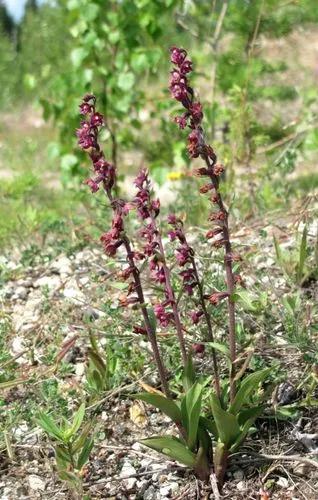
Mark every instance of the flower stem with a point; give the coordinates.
(172, 299)
(229, 276)
(150, 331)
(209, 326)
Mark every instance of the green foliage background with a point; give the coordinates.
(119, 50)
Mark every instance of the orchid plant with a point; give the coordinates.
(213, 421)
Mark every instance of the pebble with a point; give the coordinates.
(282, 482)
(73, 293)
(128, 470)
(36, 483)
(150, 493)
(24, 317)
(20, 293)
(240, 486)
(51, 282)
(17, 345)
(63, 266)
(79, 369)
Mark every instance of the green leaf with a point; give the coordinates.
(77, 422)
(96, 380)
(246, 299)
(209, 425)
(63, 456)
(188, 378)
(247, 387)
(167, 406)
(12, 383)
(223, 349)
(139, 61)
(126, 81)
(49, 426)
(226, 423)
(97, 361)
(193, 400)
(79, 443)
(254, 413)
(172, 447)
(84, 455)
(68, 476)
(250, 413)
(78, 55)
(68, 161)
(302, 256)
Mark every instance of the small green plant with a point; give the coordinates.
(101, 369)
(72, 447)
(295, 263)
(202, 418)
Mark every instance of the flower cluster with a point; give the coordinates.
(193, 115)
(115, 237)
(185, 256)
(88, 140)
(197, 147)
(148, 210)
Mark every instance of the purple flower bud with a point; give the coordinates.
(177, 55)
(155, 206)
(172, 235)
(181, 121)
(92, 184)
(196, 112)
(216, 297)
(175, 77)
(163, 317)
(198, 348)
(186, 66)
(89, 97)
(85, 108)
(141, 178)
(183, 255)
(179, 92)
(195, 316)
(97, 119)
(172, 219)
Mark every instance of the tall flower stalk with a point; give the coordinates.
(104, 176)
(185, 255)
(148, 210)
(198, 147)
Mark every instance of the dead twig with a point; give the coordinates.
(214, 486)
(288, 458)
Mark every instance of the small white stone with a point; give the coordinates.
(73, 293)
(20, 293)
(128, 470)
(79, 369)
(282, 482)
(137, 447)
(17, 345)
(62, 265)
(36, 483)
(84, 280)
(51, 282)
(240, 486)
(21, 430)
